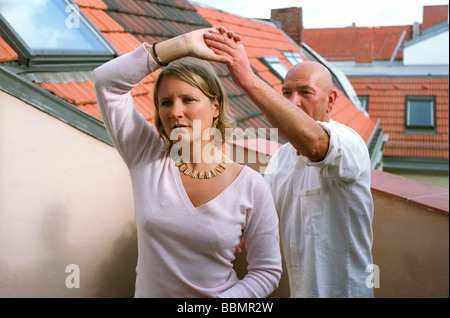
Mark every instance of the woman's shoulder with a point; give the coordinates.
(248, 177)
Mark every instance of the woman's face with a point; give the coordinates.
(183, 107)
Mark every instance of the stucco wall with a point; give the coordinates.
(431, 51)
(411, 248)
(65, 198)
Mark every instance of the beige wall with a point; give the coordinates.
(411, 248)
(65, 198)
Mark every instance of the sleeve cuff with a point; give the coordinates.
(153, 64)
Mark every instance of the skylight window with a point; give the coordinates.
(364, 100)
(292, 57)
(275, 65)
(49, 31)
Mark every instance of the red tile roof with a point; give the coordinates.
(387, 102)
(98, 4)
(6, 52)
(126, 24)
(82, 95)
(348, 43)
(387, 95)
(433, 15)
(102, 20)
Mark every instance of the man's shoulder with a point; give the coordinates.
(343, 129)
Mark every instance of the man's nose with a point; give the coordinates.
(296, 99)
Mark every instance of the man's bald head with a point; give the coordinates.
(310, 86)
(315, 71)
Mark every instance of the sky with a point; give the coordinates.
(333, 13)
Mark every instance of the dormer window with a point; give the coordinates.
(420, 112)
(52, 32)
(292, 57)
(364, 101)
(275, 65)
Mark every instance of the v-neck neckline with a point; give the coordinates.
(185, 197)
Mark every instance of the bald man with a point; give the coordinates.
(320, 179)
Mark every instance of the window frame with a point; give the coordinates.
(271, 62)
(364, 101)
(31, 57)
(290, 56)
(420, 128)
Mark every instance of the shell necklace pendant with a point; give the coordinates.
(208, 174)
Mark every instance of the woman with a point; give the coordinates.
(188, 224)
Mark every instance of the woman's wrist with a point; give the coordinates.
(170, 50)
(156, 57)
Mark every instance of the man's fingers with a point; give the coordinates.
(223, 31)
(231, 34)
(224, 44)
(218, 30)
(213, 44)
(220, 56)
(237, 38)
(225, 40)
(215, 30)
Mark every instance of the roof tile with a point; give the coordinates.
(97, 4)
(123, 42)
(6, 52)
(102, 21)
(387, 104)
(347, 43)
(91, 109)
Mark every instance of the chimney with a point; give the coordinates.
(415, 30)
(433, 15)
(291, 21)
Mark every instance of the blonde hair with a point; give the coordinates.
(199, 74)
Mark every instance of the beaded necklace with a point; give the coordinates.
(202, 174)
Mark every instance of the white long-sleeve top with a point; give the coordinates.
(326, 211)
(185, 251)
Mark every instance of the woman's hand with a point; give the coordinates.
(197, 47)
(193, 44)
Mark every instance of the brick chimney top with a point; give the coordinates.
(291, 20)
(433, 15)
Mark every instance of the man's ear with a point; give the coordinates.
(332, 97)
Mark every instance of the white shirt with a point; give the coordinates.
(326, 211)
